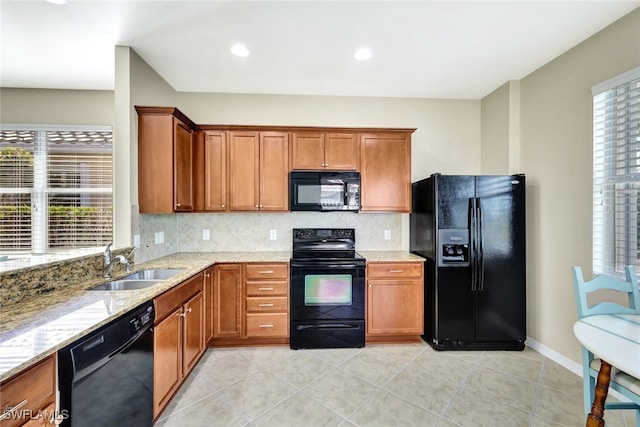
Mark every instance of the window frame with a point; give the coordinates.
(40, 242)
(616, 174)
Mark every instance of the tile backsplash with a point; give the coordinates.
(251, 231)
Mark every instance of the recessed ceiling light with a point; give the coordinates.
(363, 54)
(240, 50)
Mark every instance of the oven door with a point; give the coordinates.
(327, 292)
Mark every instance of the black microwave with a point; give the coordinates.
(324, 191)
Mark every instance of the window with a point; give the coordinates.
(616, 174)
(55, 189)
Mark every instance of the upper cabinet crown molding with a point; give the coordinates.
(163, 111)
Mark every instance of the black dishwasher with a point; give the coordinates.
(106, 378)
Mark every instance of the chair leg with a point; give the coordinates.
(588, 382)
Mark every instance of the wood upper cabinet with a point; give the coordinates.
(324, 151)
(178, 339)
(395, 293)
(36, 387)
(165, 160)
(227, 298)
(386, 172)
(210, 171)
(258, 171)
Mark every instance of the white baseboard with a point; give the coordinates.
(565, 362)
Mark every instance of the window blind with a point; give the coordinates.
(55, 189)
(616, 174)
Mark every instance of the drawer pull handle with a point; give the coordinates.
(265, 289)
(7, 412)
(265, 272)
(266, 325)
(396, 271)
(265, 305)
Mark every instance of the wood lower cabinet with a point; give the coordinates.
(165, 160)
(258, 171)
(395, 293)
(209, 298)
(267, 300)
(227, 301)
(178, 340)
(385, 169)
(250, 304)
(33, 393)
(325, 151)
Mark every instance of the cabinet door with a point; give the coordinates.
(182, 167)
(167, 359)
(30, 391)
(385, 172)
(394, 307)
(227, 313)
(307, 151)
(215, 171)
(244, 171)
(193, 342)
(208, 304)
(274, 171)
(341, 151)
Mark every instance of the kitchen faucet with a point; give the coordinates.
(110, 261)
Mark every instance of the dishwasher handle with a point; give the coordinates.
(85, 368)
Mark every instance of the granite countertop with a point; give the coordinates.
(390, 256)
(33, 329)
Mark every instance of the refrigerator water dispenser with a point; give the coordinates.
(453, 250)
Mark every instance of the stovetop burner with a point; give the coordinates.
(325, 245)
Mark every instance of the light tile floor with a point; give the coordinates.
(379, 385)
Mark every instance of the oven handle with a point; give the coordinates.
(327, 266)
(328, 326)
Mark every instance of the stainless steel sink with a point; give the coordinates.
(139, 280)
(125, 285)
(153, 274)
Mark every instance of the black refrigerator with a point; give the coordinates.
(471, 230)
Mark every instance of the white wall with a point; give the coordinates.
(555, 143)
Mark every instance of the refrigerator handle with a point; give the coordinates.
(473, 246)
(480, 225)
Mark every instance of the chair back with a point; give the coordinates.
(582, 288)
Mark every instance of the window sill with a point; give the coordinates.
(27, 261)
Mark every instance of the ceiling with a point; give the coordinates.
(424, 49)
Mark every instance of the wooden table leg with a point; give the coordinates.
(596, 416)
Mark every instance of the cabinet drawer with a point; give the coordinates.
(268, 304)
(407, 269)
(36, 386)
(175, 297)
(267, 271)
(267, 325)
(267, 288)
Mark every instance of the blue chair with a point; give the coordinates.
(621, 382)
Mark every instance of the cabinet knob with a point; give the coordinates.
(265, 289)
(207, 275)
(189, 310)
(223, 206)
(266, 325)
(257, 206)
(178, 205)
(265, 305)
(265, 272)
